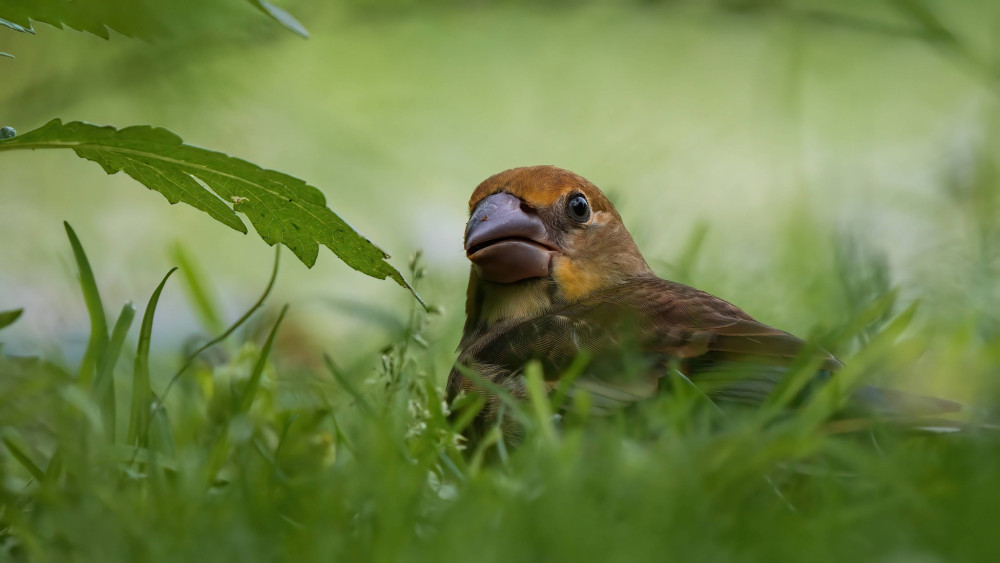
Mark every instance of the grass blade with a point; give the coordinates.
(233, 327)
(832, 395)
(365, 406)
(251, 389)
(488, 387)
(55, 467)
(197, 290)
(104, 384)
(161, 434)
(142, 395)
(95, 309)
(569, 376)
(15, 445)
(221, 449)
(540, 400)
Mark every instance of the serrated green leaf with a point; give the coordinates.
(282, 209)
(16, 27)
(281, 16)
(131, 19)
(8, 318)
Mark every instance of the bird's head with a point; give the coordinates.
(540, 237)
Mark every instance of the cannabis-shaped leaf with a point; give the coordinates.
(129, 17)
(282, 209)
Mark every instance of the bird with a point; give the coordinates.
(555, 275)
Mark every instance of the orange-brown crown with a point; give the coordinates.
(540, 186)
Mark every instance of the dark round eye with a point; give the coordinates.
(578, 208)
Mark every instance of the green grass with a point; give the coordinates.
(246, 454)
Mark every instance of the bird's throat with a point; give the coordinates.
(515, 301)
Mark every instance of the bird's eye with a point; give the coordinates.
(578, 208)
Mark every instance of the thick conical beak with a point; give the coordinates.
(506, 241)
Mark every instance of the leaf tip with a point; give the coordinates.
(406, 285)
(8, 318)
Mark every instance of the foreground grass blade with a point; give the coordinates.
(834, 392)
(142, 395)
(362, 403)
(161, 434)
(95, 309)
(8, 318)
(15, 445)
(246, 399)
(540, 400)
(508, 400)
(233, 327)
(574, 371)
(282, 209)
(54, 469)
(104, 384)
(221, 449)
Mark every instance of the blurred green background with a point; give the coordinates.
(801, 135)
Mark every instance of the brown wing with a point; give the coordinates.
(637, 332)
(631, 334)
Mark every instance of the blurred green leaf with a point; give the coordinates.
(281, 208)
(8, 318)
(198, 291)
(281, 16)
(931, 23)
